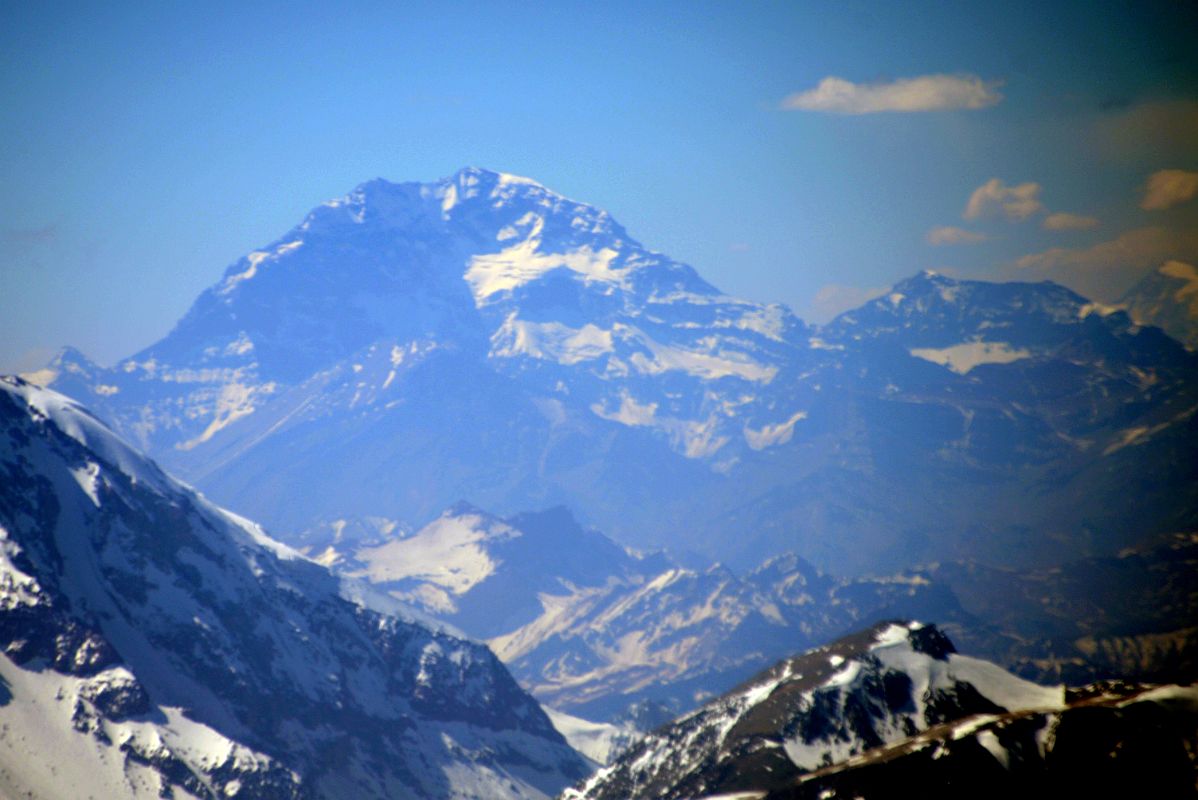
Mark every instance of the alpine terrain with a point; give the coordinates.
(155, 645)
(895, 708)
(482, 337)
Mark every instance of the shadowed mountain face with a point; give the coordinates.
(1108, 741)
(154, 642)
(482, 337)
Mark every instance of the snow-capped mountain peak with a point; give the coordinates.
(412, 330)
(881, 685)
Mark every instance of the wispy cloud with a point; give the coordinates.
(947, 234)
(1106, 270)
(1169, 187)
(1063, 221)
(994, 198)
(924, 93)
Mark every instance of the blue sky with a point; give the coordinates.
(144, 147)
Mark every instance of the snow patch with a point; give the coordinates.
(769, 435)
(447, 553)
(598, 741)
(708, 365)
(524, 262)
(550, 341)
(235, 401)
(961, 358)
(630, 412)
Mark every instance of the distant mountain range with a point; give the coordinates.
(154, 645)
(590, 628)
(482, 337)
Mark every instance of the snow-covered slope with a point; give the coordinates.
(823, 707)
(482, 573)
(153, 642)
(599, 741)
(483, 337)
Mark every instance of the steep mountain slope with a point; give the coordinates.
(880, 686)
(153, 642)
(483, 337)
(1110, 741)
(1168, 299)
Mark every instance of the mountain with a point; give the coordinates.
(483, 337)
(156, 645)
(1168, 299)
(591, 629)
(1109, 741)
(483, 574)
(876, 687)
(1129, 616)
(895, 711)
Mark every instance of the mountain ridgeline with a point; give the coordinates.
(892, 711)
(155, 645)
(483, 337)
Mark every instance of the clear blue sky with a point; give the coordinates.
(143, 147)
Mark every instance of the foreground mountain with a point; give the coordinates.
(156, 644)
(483, 337)
(882, 685)
(893, 711)
(1109, 741)
(1168, 299)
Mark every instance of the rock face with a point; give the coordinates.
(877, 687)
(482, 337)
(155, 643)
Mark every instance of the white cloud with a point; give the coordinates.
(1106, 270)
(947, 234)
(1168, 188)
(1062, 221)
(924, 93)
(995, 198)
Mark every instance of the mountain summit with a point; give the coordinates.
(483, 337)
